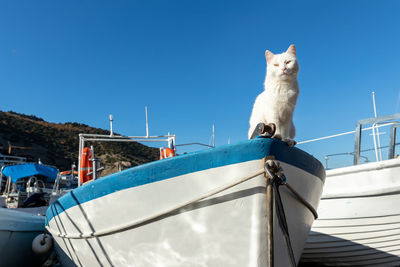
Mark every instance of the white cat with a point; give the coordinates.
(281, 89)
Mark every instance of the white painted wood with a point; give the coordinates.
(228, 229)
(359, 217)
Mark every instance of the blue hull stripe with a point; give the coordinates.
(202, 160)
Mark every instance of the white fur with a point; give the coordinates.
(281, 89)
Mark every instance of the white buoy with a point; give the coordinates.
(42, 244)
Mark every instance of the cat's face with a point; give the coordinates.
(282, 66)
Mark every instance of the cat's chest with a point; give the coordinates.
(279, 94)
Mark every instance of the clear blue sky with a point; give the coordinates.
(198, 63)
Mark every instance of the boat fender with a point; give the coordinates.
(42, 244)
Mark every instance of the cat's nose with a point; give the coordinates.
(283, 69)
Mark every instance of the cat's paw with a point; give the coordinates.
(290, 142)
(278, 136)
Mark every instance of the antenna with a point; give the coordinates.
(213, 135)
(374, 104)
(377, 132)
(147, 123)
(111, 125)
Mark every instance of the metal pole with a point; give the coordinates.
(125, 137)
(1, 180)
(213, 135)
(147, 123)
(357, 144)
(377, 132)
(392, 146)
(94, 170)
(111, 125)
(81, 145)
(79, 160)
(9, 185)
(95, 165)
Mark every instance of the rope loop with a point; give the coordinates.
(275, 173)
(277, 178)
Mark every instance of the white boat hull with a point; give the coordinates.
(359, 217)
(226, 229)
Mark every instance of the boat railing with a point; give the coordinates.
(196, 144)
(7, 160)
(7, 187)
(112, 137)
(117, 138)
(38, 186)
(376, 123)
(392, 145)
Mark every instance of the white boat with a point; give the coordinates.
(359, 216)
(27, 185)
(23, 204)
(17, 231)
(206, 208)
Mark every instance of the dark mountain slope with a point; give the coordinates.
(57, 143)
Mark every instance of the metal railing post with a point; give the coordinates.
(392, 145)
(81, 145)
(357, 144)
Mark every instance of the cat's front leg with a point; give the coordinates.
(285, 132)
(292, 133)
(281, 131)
(277, 136)
(278, 131)
(290, 142)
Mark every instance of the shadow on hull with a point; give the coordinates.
(327, 250)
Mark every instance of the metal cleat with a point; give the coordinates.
(265, 130)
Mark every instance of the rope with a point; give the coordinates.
(277, 178)
(303, 201)
(149, 219)
(277, 174)
(280, 212)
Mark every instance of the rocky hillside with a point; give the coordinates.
(57, 143)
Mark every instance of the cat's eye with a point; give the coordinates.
(276, 65)
(287, 62)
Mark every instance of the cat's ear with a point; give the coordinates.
(291, 50)
(268, 55)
